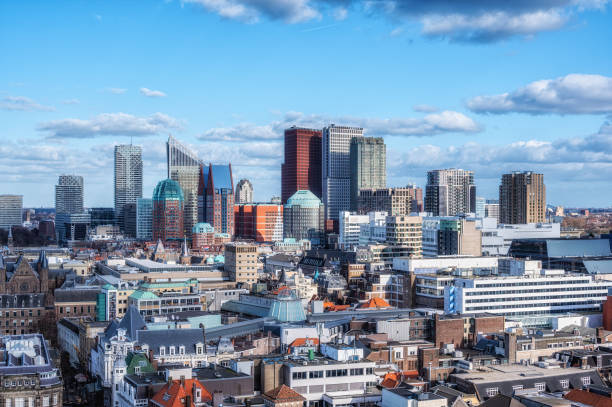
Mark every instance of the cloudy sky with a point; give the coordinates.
(487, 85)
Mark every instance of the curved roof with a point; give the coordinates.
(168, 189)
(304, 199)
(203, 228)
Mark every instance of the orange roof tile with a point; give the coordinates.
(283, 393)
(173, 394)
(299, 342)
(586, 397)
(375, 303)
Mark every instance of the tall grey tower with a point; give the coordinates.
(450, 192)
(368, 166)
(128, 176)
(69, 194)
(184, 168)
(244, 192)
(336, 168)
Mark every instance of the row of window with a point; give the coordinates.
(532, 283)
(29, 402)
(319, 374)
(542, 290)
(554, 304)
(564, 383)
(542, 297)
(7, 314)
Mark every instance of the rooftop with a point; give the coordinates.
(507, 373)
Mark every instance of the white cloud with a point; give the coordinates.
(396, 32)
(340, 13)
(150, 93)
(116, 91)
(110, 124)
(290, 11)
(24, 104)
(425, 108)
(71, 101)
(571, 94)
(431, 124)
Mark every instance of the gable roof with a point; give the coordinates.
(134, 360)
(588, 398)
(502, 400)
(171, 337)
(173, 394)
(131, 322)
(375, 303)
(283, 393)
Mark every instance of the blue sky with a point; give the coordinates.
(476, 84)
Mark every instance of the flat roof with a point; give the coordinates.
(507, 373)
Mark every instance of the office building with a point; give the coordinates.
(350, 228)
(29, 376)
(244, 192)
(303, 217)
(492, 209)
(144, 219)
(405, 231)
(130, 220)
(202, 237)
(449, 236)
(261, 222)
(128, 177)
(450, 192)
(301, 169)
(11, 209)
(184, 168)
(545, 291)
(375, 230)
(70, 227)
(102, 216)
(69, 194)
(522, 198)
(368, 163)
(394, 201)
(167, 214)
(241, 262)
(216, 197)
(336, 169)
(480, 207)
(496, 238)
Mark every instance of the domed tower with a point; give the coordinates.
(168, 211)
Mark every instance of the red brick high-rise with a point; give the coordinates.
(302, 167)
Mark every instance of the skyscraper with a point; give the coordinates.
(69, 194)
(368, 160)
(11, 208)
(303, 216)
(522, 198)
(128, 177)
(336, 169)
(184, 168)
(450, 192)
(302, 167)
(168, 209)
(244, 192)
(144, 219)
(216, 197)
(394, 201)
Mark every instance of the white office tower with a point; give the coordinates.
(69, 194)
(184, 168)
(128, 176)
(336, 168)
(244, 192)
(350, 228)
(450, 192)
(11, 208)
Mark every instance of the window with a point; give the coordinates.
(540, 386)
(316, 374)
(55, 399)
(564, 383)
(172, 350)
(182, 350)
(492, 391)
(7, 402)
(162, 350)
(45, 401)
(299, 375)
(356, 372)
(586, 380)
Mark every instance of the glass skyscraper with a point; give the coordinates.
(69, 194)
(128, 177)
(144, 219)
(368, 158)
(11, 208)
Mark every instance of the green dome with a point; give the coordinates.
(304, 199)
(168, 190)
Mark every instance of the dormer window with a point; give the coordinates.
(172, 350)
(162, 350)
(182, 350)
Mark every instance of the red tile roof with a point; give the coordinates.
(174, 394)
(283, 394)
(375, 303)
(588, 398)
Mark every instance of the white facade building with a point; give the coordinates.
(431, 265)
(350, 228)
(11, 209)
(545, 292)
(336, 168)
(497, 238)
(375, 230)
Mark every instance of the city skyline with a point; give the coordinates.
(442, 95)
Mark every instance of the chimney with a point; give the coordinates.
(187, 401)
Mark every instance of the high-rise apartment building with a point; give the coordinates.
(184, 168)
(244, 192)
(336, 168)
(216, 197)
(241, 262)
(303, 217)
(128, 178)
(480, 206)
(450, 192)
(168, 209)
(522, 198)
(368, 161)
(69, 194)
(11, 209)
(144, 219)
(406, 231)
(394, 201)
(459, 237)
(262, 222)
(302, 167)
(492, 209)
